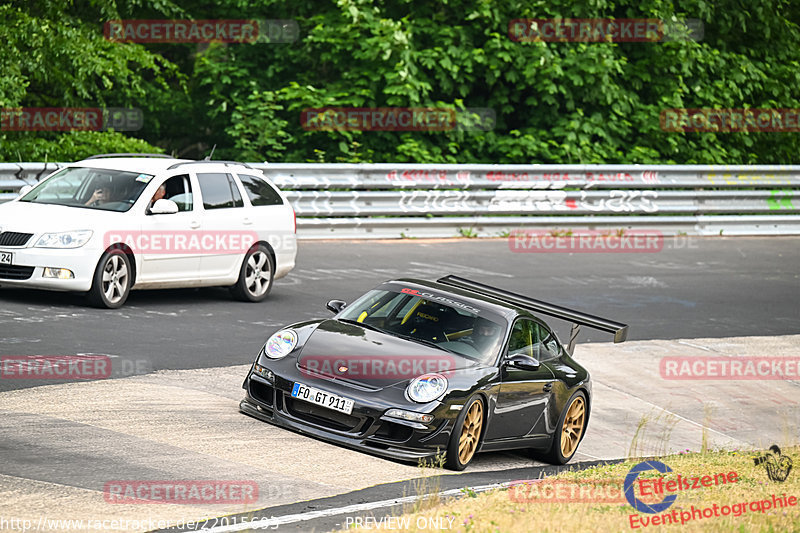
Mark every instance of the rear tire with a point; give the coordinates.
(112, 280)
(466, 435)
(255, 276)
(569, 431)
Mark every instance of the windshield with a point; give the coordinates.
(91, 188)
(430, 321)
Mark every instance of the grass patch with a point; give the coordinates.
(469, 233)
(504, 510)
(427, 486)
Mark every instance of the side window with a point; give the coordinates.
(179, 190)
(259, 191)
(550, 348)
(524, 338)
(219, 191)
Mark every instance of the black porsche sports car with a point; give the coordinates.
(417, 368)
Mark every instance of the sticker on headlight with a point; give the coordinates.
(280, 344)
(427, 388)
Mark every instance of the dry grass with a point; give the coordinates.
(496, 512)
(427, 486)
(653, 433)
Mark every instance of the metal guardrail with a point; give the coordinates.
(389, 200)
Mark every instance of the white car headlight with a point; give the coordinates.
(280, 344)
(66, 239)
(427, 388)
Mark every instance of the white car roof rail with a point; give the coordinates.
(226, 163)
(103, 156)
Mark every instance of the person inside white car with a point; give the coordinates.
(100, 195)
(162, 190)
(86, 249)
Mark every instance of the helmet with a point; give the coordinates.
(484, 327)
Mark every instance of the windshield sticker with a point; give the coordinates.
(442, 299)
(144, 178)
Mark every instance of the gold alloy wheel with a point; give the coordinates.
(470, 432)
(573, 427)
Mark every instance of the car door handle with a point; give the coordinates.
(247, 221)
(548, 387)
(194, 224)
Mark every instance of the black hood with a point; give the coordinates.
(372, 358)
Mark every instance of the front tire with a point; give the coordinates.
(112, 279)
(255, 276)
(570, 429)
(466, 435)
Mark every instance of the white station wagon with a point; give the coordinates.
(116, 222)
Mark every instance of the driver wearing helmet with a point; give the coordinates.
(485, 335)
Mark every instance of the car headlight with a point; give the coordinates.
(409, 415)
(66, 239)
(427, 388)
(280, 344)
(264, 372)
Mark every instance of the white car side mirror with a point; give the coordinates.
(25, 190)
(164, 207)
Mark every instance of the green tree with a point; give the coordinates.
(54, 54)
(557, 102)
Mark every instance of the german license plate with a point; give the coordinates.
(6, 258)
(325, 399)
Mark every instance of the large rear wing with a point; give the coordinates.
(578, 319)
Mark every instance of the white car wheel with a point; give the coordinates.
(256, 275)
(112, 280)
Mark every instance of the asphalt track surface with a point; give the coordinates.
(694, 287)
(334, 513)
(56, 442)
(62, 445)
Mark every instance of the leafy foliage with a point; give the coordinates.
(75, 145)
(56, 57)
(559, 102)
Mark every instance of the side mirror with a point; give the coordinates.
(25, 190)
(522, 362)
(164, 207)
(334, 306)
